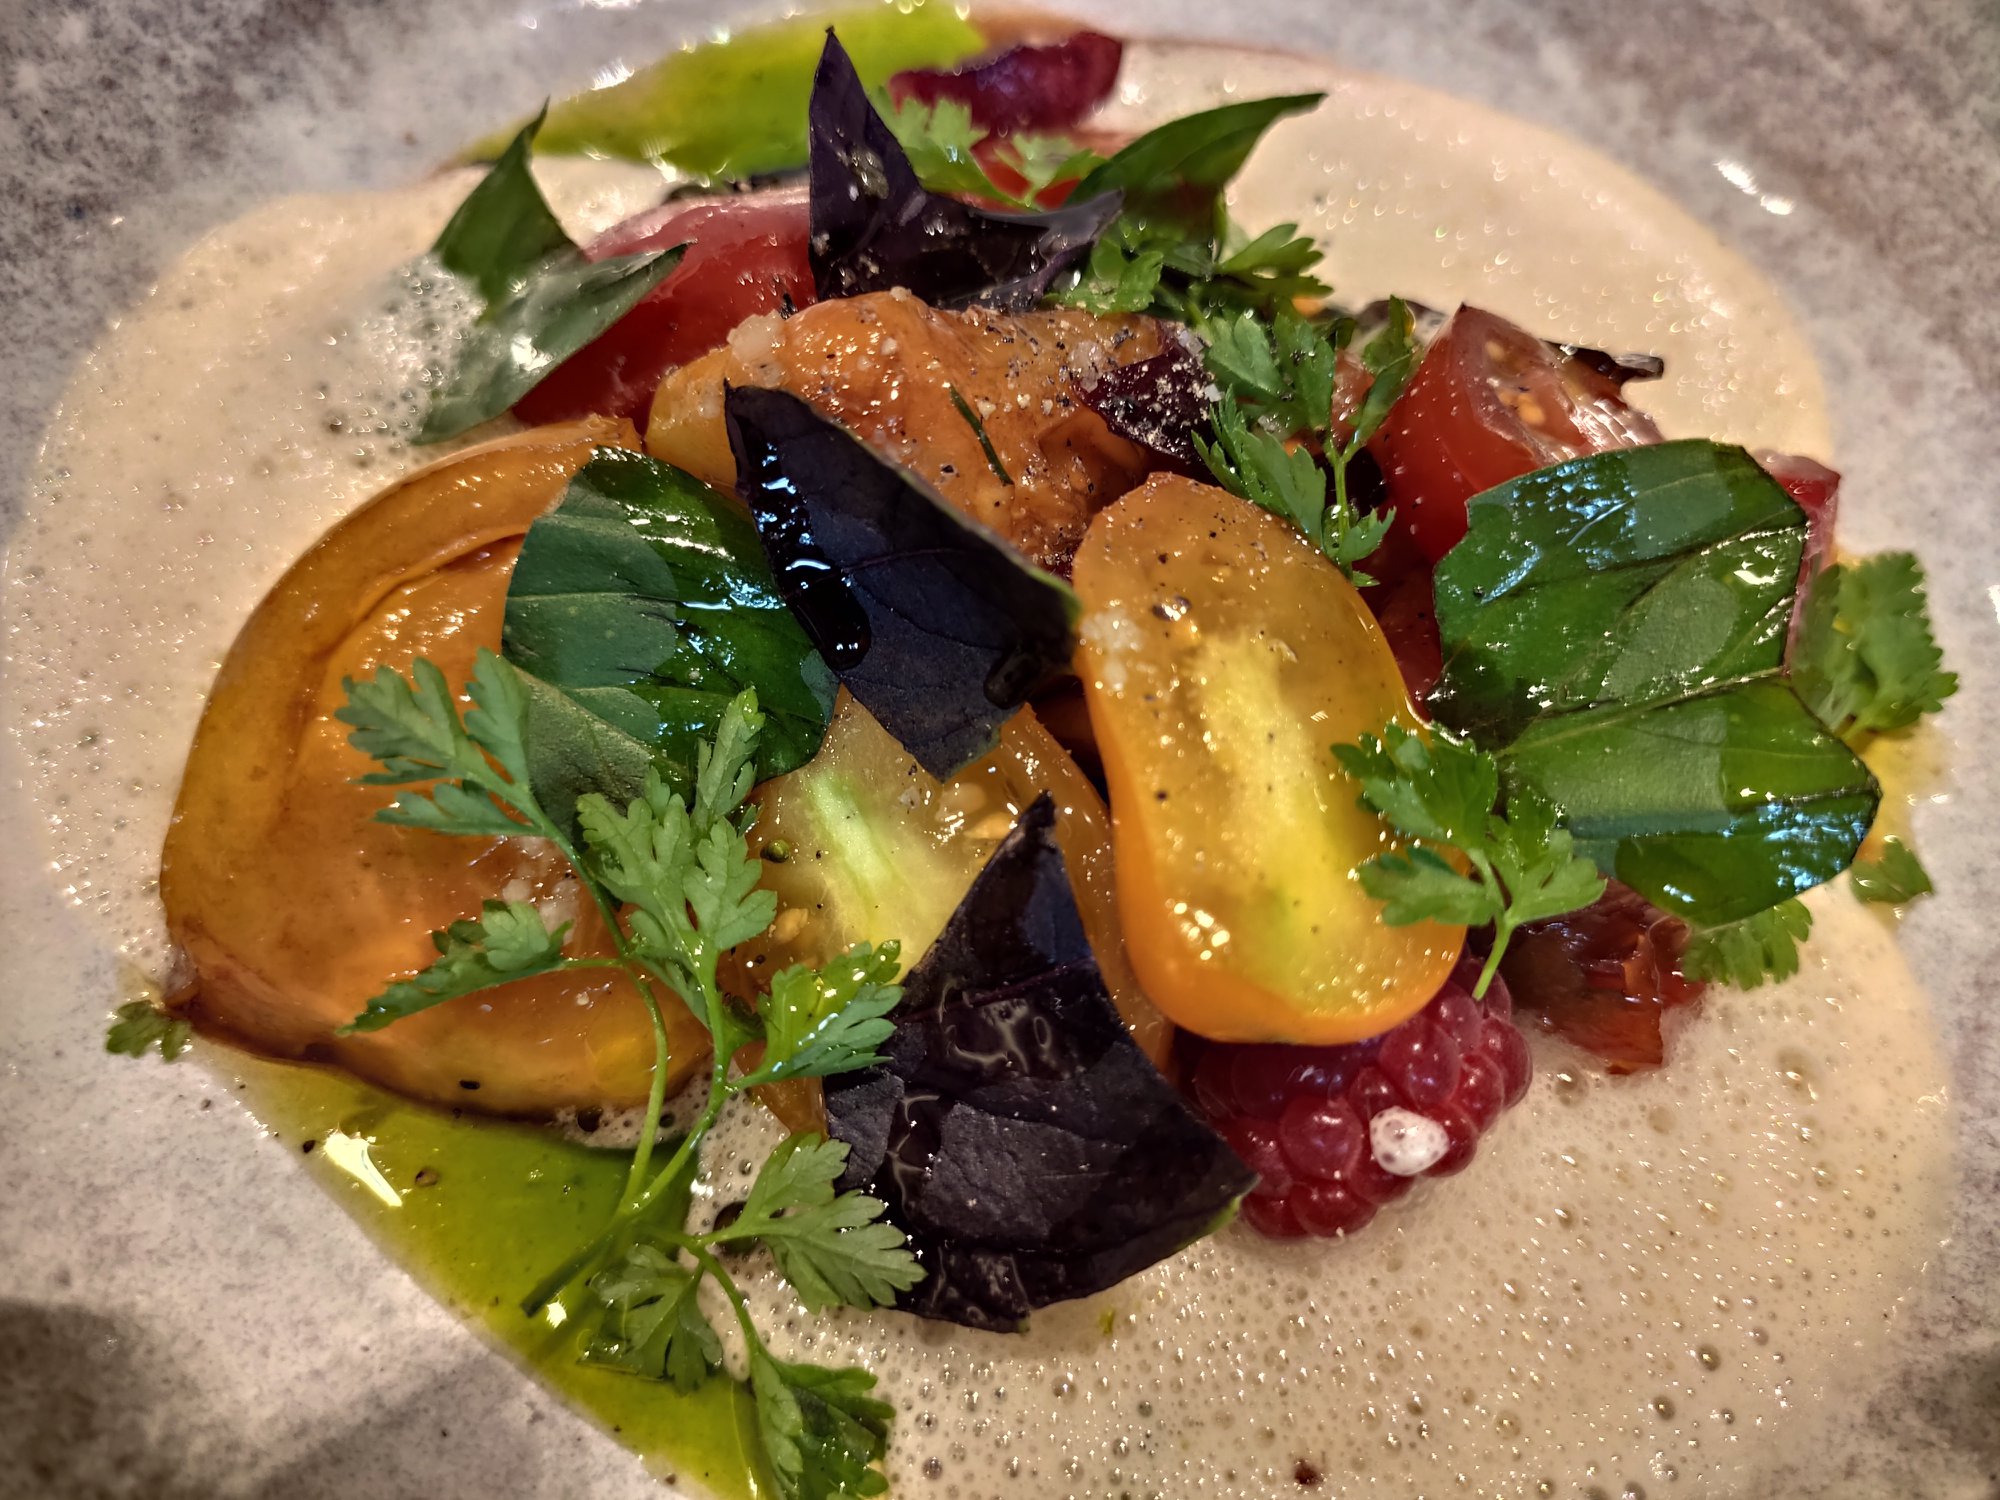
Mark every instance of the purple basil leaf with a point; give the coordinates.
(1157, 403)
(1033, 86)
(935, 624)
(874, 226)
(1021, 1139)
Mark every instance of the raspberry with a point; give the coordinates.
(1301, 1117)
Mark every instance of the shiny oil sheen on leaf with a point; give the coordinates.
(1614, 628)
(1222, 657)
(639, 608)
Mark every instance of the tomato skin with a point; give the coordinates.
(1816, 488)
(1221, 658)
(1490, 402)
(745, 255)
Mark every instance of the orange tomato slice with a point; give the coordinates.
(1222, 657)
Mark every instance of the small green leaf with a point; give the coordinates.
(1257, 465)
(1748, 952)
(1119, 276)
(1866, 661)
(688, 876)
(832, 1249)
(1897, 877)
(541, 299)
(1634, 576)
(639, 608)
(654, 1326)
(1521, 867)
(1439, 790)
(736, 107)
(819, 1022)
(1391, 357)
(1421, 886)
(507, 941)
(822, 1433)
(1174, 174)
(139, 1027)
(1714, 807)
(411, 727)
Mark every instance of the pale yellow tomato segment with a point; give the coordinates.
(868, 848)
(1222, 657)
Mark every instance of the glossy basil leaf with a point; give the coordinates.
(1174, 174)
(1712, 807)
(935, 624)
(639, 608)
(1021, 1139)
(540, 299)
(736, 107)
(875, 226)
(1633, 576)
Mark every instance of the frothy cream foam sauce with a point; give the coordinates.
(1667, 1284)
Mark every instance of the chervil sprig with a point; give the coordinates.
(678, 886)
(1517, 865)
(139, 1027)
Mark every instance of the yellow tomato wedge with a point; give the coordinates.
(1222, 657)
(292, 905)
(873, 848)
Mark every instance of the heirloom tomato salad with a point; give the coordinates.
(938, 846)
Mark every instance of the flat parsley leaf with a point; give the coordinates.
(820, 1429)
(507, 941)
(654, 1326)
(1866, 661)
(1898, 876)
(1746, 953)
(819, 1022)
(1522, 866)
(140, 1027)
(832, 1249)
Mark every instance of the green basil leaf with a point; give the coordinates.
(1634, 576)
(1174, 174)
(736, 107)
(1713, 807)
(639, 608)
(540, 299)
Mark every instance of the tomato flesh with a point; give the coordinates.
(1222, 658)
(745, 255)
(1489, 402)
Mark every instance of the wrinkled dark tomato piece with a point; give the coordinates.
(1490, 402)
(1604, 977)
(1032, 86)
(745, 255)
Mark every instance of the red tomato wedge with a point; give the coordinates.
(745, 255)
(1489, 402)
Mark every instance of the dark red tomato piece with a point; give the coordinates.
(745, 255)
(1817, 490)
(1406, 611)
(1489, 402)
(1604, 977)
(1032, 86)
